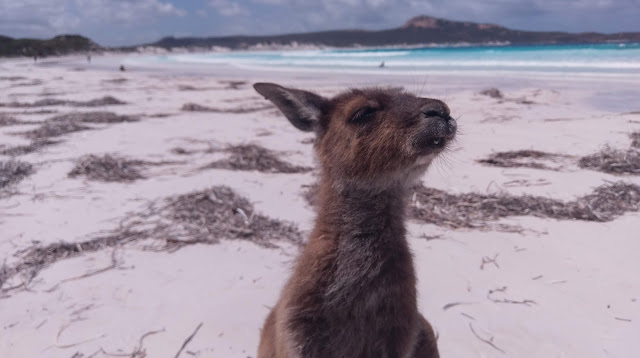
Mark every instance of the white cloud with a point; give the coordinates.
(169, 9)
(270, 2)
(126, 10)
(45, 18)
(228, 8)
(33, 16)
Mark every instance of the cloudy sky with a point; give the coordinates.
(126, 22)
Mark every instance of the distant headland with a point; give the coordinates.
(420, 30)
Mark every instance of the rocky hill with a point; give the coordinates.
(59, 45)
(417, 31)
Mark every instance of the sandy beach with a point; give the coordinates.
(93, 265)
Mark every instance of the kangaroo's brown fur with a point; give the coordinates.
(353, 291)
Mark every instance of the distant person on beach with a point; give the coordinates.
(89, 58)
(35, 59)
(122, 68)
(381, 64)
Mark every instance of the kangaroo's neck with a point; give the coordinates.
(353, 212)
(370, 252)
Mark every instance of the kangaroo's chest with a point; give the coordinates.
(366, 308)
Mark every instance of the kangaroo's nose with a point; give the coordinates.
(435, 108)
(452, 126)
(436, 113)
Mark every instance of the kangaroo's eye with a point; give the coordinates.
(363, 115)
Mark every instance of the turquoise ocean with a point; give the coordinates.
(612, 58)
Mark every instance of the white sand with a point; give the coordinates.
(582, 276)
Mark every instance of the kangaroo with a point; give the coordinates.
(353, 290)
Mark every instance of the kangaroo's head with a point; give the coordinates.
(370, 136)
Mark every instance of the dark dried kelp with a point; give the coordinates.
(635, 139)
(492, 92)
(98, 102)
(253, 157)
(13, 171)
(525, 159)
(94, 117)
(473, 210)
(60, 125)
(194, 107)
(57, 128)
(203, 217)
(7, 120)
(613, 161)
(218, 213)
(108, 168)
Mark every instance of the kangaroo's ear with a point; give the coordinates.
(303, 109)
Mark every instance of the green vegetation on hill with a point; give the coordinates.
(417, 31)
(59, 45)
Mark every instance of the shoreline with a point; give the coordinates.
(619, 98)
(108, 62)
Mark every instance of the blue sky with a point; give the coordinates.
(126, 22)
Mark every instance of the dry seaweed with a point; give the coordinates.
(115, 80)
(108, 168)
(104, 101)
(194, 88)
(233, 84)
(7, 120)
(50, 93)
(187, 88)
(492, 92)
(94, 117)
(254, 157)
(181, 151)
(33, 146)
(64, 124)
(523, 154)
(55, 128)
(98, 102)
(523, 101)
(36, 258)
(203, 217)
(613, 161)
(28, 83)
(39, 103)
(473, 210)
(13, 171)
(12, 78)
(209, 216)
(39, 111)
(523, 158)
(635, 139)
(497, 94)
(194, 107)
(608, 160)
(159, 115)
